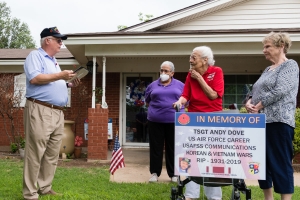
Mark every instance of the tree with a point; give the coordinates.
(141, 18)
(11, 97)
(13, 33)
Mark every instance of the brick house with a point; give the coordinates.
(129, 59)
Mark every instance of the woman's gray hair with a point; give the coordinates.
(206, 52)
(278, 40)
(171, 65)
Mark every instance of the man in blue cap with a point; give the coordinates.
(47, 94)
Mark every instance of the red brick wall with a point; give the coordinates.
(112, 99)
(97, 137)
(4, 130)
(15, 114)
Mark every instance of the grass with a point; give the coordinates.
(93, 184)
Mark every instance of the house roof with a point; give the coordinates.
(184, 15)
(163, 16)
(12, 54)
(184, 32)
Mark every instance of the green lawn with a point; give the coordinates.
(93, 183)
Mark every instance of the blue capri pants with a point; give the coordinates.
(279, 155)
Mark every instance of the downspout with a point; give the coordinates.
(104, 104)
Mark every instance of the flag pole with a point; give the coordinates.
(115, 140)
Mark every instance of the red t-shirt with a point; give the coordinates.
(198, 101)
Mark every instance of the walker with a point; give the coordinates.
(239, 185)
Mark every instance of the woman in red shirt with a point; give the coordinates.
(203, 89)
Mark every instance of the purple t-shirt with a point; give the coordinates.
(161, 98)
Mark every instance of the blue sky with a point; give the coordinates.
(77, 16)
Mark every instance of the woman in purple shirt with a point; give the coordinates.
(160, 96)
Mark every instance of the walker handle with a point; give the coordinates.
(177, 107)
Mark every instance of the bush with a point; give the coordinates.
(14, 147)
(19, 144)
(296, 141)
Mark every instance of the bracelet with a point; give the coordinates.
(67, 85)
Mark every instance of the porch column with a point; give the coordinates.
(94, 81)
(98, 132)
(98, 122)
(104, 104)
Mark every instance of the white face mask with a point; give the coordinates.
(164, 77)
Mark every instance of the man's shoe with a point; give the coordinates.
(174, 179)
(31, 199)
(187, 198)
(153, 178)
(50, 192)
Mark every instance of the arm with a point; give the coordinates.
(186, 93)
(42, 79)
(181, 102)
(211, 92)
(285, 83)
(253, 108)
(208, 91)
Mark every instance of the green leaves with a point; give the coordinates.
(14, 34)
(296, 141)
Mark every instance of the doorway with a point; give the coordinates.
(135, 124)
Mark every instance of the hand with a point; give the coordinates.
(74, 83)
(177, 105)
(194, 74)
(250, 107)
(67, 74)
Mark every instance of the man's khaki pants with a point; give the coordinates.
(43, 133)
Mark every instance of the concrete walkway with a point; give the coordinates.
(136, 169)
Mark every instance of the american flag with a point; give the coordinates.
(117, 160)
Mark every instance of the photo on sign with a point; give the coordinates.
(184, 165)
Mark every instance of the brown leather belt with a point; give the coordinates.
(45, 104)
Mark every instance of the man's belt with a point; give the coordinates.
(45, 103)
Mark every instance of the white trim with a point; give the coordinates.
(123, 107)
(121, 111)
(21, 62)
(200, 10)
(140, 39)
(94, 82)
(104, 104)
(20, 86)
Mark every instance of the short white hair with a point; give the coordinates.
(43, 40)
(206, 52)
(171, 65)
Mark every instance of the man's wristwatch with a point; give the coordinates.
(67, 85)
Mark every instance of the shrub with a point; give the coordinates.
(14, 147)
(296, 141)
(19, 144)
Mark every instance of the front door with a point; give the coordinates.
(135, 124)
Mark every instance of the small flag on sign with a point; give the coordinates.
(117, 160)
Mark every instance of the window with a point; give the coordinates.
(236, 88)
(20, 88)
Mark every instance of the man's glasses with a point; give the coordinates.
(163, 70)
(57, 40)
